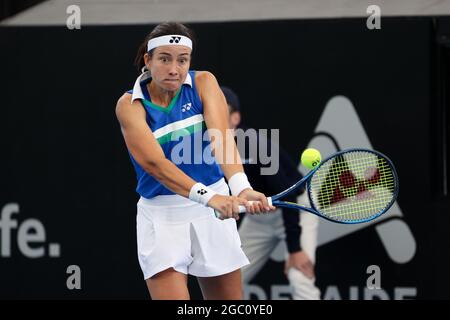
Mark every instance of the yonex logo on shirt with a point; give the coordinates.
(186, 107)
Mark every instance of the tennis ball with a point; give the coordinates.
(311, 158)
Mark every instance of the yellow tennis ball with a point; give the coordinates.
(311, 158)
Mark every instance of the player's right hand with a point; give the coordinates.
(228, 206)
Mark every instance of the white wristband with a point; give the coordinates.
(201, 193)
(238, 182)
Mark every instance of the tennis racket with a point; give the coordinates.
(351, 186)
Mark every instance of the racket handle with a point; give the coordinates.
(242, 209)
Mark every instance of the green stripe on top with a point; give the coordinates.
(169, 107)
(175, 135)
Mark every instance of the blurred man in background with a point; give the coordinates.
(261, 234)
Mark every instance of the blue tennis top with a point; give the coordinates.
(181, 132)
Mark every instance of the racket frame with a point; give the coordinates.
(305, 180)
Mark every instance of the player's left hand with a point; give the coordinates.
(260, 203)
(300, 261)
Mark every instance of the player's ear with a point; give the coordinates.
(147, 59)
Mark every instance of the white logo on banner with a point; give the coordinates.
(340, 124)
(31, 235)
(340, 128)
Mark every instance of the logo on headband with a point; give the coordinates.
(175, 39)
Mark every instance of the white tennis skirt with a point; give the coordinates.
(175, 232)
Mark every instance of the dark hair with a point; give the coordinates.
(162, 29)
(232, 99)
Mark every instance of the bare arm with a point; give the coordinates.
(146, 150)
(215, 111)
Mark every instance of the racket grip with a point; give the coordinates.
(242, 209)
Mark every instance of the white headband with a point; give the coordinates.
(173, 39)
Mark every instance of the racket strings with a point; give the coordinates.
(341, 203)
(353, 186)
(361, 207)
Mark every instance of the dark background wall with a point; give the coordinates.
(64, 162)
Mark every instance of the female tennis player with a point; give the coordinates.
(180, 183)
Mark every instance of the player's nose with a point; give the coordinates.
(173, 69)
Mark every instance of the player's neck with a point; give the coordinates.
(159, 95)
